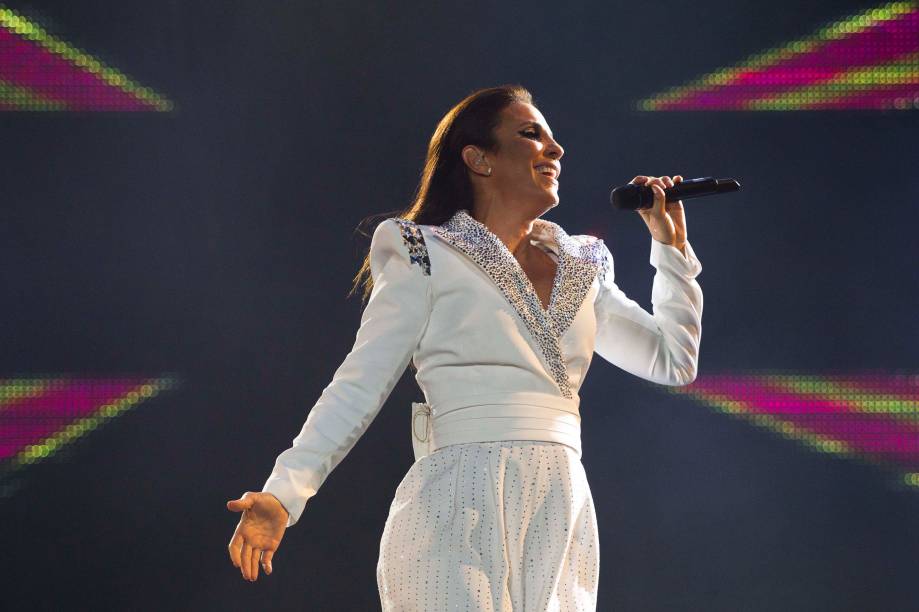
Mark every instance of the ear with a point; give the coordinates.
(472, 156)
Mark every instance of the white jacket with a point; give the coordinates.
(491, 362)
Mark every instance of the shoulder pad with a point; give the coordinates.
(414, 243)
(595, 249)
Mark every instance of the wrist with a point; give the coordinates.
(280, 503)
(679, 246)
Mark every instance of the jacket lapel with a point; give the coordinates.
(579, 262)
(578, 265)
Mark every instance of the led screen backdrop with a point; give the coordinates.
(181, 187)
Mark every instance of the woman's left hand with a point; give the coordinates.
(666, 221)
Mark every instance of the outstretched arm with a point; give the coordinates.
(391, 326)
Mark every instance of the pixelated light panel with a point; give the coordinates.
(870, 418)
(40, 417)
(39, 72)
(867, 61)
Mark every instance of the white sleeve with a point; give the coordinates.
(391, 326)
(663, 347)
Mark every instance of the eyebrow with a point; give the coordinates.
(539, 125)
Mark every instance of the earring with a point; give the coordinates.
(482, 161)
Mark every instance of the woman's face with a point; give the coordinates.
(525, 143)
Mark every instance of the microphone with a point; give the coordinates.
(633, 197)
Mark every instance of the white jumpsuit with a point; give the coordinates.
(496, 512)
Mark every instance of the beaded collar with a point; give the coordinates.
(580, 260)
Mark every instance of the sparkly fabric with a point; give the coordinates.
(414, 241)
(580, 260)
(491, 526)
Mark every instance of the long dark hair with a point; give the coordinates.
(445, 186)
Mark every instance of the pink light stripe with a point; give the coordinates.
(52, 76)
(32, 419)
(818, 420)
(785, 401)
(880, 404)
(872, 46)
(823, 63)
(878, 436)
(883, 43)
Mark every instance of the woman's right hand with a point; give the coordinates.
(259, 532)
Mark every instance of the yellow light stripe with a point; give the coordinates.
(22, 98)
(16, 389)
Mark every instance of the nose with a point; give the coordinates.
(554, 150)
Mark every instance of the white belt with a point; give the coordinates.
(493, 417)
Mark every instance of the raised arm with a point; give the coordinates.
(663, 347)
(391, 326)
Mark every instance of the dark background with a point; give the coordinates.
(217, 241)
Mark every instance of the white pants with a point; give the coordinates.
(491, 526)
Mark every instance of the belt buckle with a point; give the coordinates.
(421, 443)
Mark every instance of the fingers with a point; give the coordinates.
(657, 185)
(249, 562)
(669, 183)
(253, 564)
(236, 544)
(247, 558)
(266, 561)
(245, 566)
(238, 505)
(678, 205)
(642, 179)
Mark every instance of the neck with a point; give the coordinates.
(512, 227)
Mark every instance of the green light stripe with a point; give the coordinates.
(30, 31)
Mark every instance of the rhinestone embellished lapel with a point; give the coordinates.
(578, 265)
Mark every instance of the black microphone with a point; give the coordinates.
(633, 197)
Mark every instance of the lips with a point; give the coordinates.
(554, 169)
